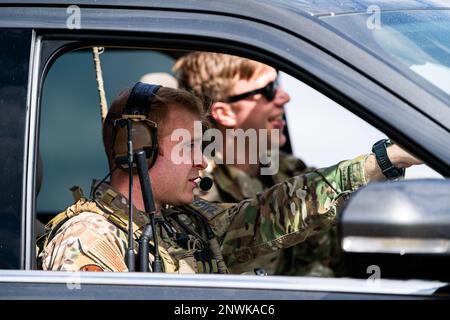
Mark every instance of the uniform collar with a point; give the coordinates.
(106, 196)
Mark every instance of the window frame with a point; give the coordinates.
(316, 67)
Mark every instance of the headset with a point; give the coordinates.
(135, 145)
(144, 131)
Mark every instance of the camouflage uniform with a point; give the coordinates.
(313, 257)
(93, 235)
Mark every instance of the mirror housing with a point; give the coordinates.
(400, 228)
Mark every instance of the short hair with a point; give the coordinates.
(211, 75)
(164, 99)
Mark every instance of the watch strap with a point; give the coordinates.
(389, 170)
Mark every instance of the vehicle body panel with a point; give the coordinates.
(137, 286)
(14, 56)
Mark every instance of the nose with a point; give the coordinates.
(281, 97)
(201, 164)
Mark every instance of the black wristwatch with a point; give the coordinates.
(389, 170)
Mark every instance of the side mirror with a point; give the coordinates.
(401, 229)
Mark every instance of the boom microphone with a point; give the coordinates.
(205, 184)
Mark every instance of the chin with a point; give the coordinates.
(187, 199)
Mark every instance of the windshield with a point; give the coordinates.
(418, 40)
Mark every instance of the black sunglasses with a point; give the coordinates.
(269, 91)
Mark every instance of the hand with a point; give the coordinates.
(400, 158)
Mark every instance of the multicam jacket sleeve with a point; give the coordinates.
(287, 213)
(87, 242)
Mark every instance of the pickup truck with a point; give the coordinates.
(387, 63)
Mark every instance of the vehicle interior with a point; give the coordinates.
(70, 147)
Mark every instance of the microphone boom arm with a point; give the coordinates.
(150, 229)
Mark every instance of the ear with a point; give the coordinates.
(223, 114)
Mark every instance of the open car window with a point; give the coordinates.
(321, 132)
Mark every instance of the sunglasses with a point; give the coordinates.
(269, 91)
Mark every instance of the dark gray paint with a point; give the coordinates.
(14, 65)
(315, 7)
(38, 291)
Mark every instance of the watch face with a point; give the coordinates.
(382, 142)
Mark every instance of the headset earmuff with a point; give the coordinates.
(144, 131)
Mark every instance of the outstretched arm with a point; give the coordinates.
(301, 206)
(290, 212)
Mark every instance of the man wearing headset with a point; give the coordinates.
(194, 236)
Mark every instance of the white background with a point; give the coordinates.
(324, 133)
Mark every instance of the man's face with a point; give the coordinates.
(174, 183)
(256, 112)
